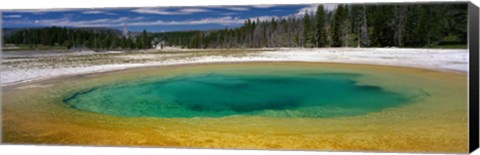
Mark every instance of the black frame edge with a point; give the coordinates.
(473, 41)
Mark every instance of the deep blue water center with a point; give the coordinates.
(217, 95)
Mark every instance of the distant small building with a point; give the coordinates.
(160, 45)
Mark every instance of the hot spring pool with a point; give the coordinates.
(255, 105)
(218, 94)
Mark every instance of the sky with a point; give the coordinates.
(154, 19)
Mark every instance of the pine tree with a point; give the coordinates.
(320, 34)
(363, 34)
(400, 16)
(383, 26)
(307, 30)
(338, 26)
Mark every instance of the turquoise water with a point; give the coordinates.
(217, 95)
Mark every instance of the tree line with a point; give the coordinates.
(75, 38)
(348, 25)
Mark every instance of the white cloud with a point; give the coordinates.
(98, 12)
(117, 22)
(93, 12)
(309, 9)
(330, 7)
(12, 16)
(264, 6)
(313, 8)
(152, 11)
(38, 11)
(66, 21)
(184, 11)
(236, 8)
(193, 10)
(228, 20)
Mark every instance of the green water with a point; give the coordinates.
(217, 95)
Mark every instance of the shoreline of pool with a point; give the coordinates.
(34, 67)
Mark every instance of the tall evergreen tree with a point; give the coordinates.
(383, 26)
(338, 26)
(307, 31)
(320, 34)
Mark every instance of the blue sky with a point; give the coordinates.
(154, 19)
